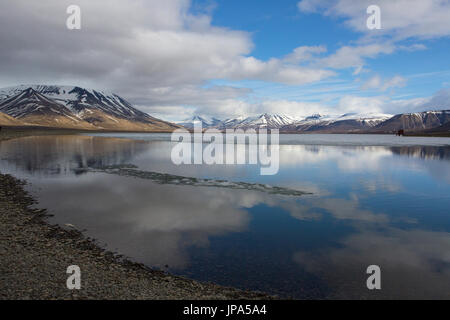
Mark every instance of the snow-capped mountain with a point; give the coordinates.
(76, 107)
(313, 122)
(368, 117)
(326, 123)
(79, 100)
(206, 122)
(85, 108)
(29, 102)
(264, 121)
(314, 117)
(349, 122)
(416, 121)
(32, 107)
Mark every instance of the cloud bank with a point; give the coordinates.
(162, 57)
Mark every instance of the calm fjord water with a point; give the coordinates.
(380, 200)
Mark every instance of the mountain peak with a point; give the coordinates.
(206, 122)
(93, 108)
(29, 103)
(315, 116)
(29, 90)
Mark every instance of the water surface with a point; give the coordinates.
(359, 200)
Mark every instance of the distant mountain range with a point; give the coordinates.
(80, 108)
(75, 108)
(346, 123)
(259, 122)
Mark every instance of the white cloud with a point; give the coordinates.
(400, 18)
(373, 83)
(292, 108)
(168, 113)
(274, 70)
(440, 100)
(396, 81)
(413, 47)
(403, 254)
(304, 53)
(358, 104)
(382, 104)
(130, 47)
(376, 82)
(354, 56)
(159, 55)
(154, 53)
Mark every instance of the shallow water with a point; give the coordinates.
(359, 200)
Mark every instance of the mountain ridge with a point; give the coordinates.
(77, 108)
(80, 108)
(346, 123)
(32, 107)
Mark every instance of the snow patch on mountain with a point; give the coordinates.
(280, 121)
(78, 100)
(206, 122)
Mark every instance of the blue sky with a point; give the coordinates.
(229, 58)
(278, 27)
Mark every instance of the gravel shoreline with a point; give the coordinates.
(34, 256)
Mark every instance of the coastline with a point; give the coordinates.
(35, 256)
(8, 132)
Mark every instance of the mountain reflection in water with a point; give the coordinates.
(384, 205)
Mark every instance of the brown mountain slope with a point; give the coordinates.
(443, 131)
(56, 121)
(444, 128)
(104, 121)
(6, 120)
(418, 121)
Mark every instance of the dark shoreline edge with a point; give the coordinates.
(37, 130)
(36, 254)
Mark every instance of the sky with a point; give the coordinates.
(228, 58)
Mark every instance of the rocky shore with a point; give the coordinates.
(35, 256)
